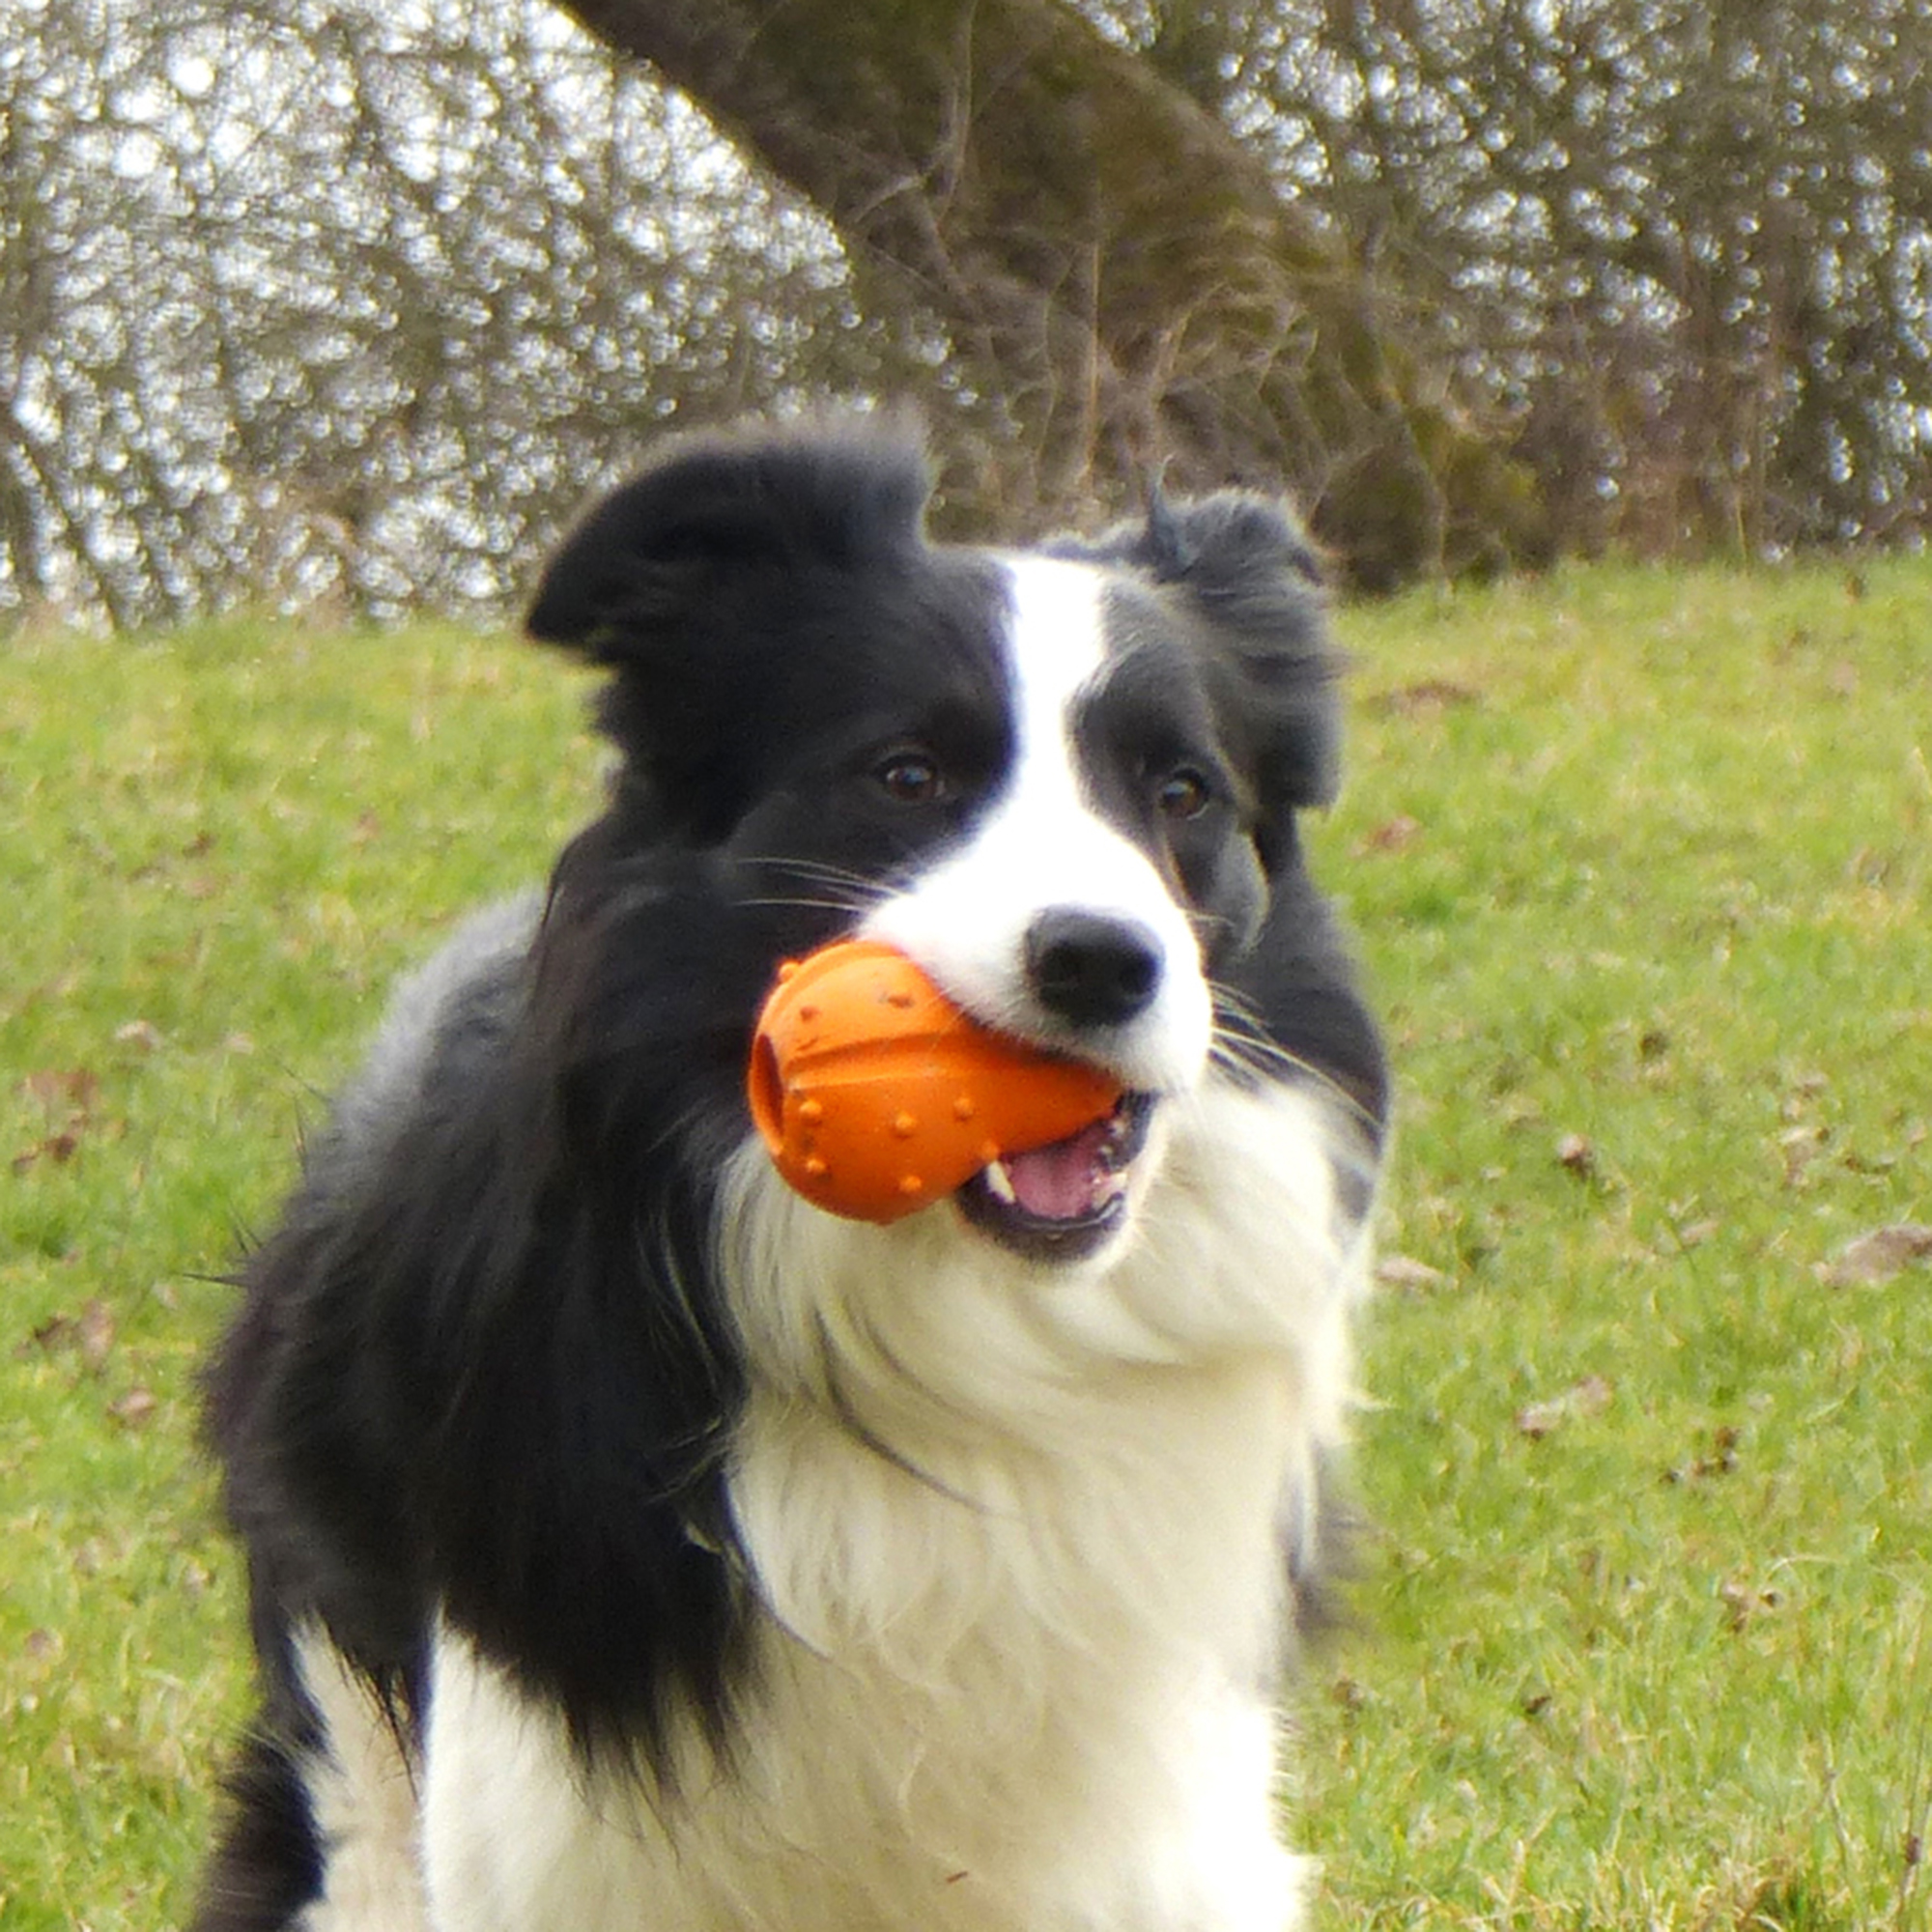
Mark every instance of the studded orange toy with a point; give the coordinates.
(876, 1096)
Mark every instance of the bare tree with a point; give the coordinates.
(1685, 248)
(341, 300)
(1115, 272)
(304, 301)
(1652, 271)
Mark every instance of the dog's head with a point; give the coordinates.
(1065, 781)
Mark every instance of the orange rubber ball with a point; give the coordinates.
(876, 1096)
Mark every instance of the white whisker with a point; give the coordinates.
(1241, 1045)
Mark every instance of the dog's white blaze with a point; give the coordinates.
(1043, 845)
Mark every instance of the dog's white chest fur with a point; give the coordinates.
(973, 1738)
(1014, 1675)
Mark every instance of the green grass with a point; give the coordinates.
(1641, 862)
(220, 845)
(1644, 860)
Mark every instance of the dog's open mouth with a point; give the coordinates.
(1062, 1202)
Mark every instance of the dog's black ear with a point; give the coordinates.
(809, 497)
(1251, 573)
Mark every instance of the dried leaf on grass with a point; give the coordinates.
(89, 1334)
(95, 1332)
(1404, 1271)
(1426, 695)
(1392, 835)
(1591, 1396)
(1576, 1153)
(57, 1089)
(1879, 1256)
(1720, 1460)
(135, 1409)
(66, 1097)
(1743, 1603)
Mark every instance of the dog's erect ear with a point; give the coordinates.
(804, 498)
(1231, 535)
(1254, 577)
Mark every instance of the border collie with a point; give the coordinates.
(633, 1544)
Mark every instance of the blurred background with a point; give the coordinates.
(318, 302)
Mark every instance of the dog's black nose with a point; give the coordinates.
(1090, 969)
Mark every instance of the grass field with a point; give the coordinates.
(1641, 865)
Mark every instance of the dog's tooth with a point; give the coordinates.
(1001, 1183)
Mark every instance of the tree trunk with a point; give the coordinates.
(1119, 278)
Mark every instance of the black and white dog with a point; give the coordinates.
(634, 1544)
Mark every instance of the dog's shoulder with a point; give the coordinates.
(439, 1041)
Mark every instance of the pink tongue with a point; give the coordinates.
(1058, 1182)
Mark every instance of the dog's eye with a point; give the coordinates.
(910, 777)
(1183, 794)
